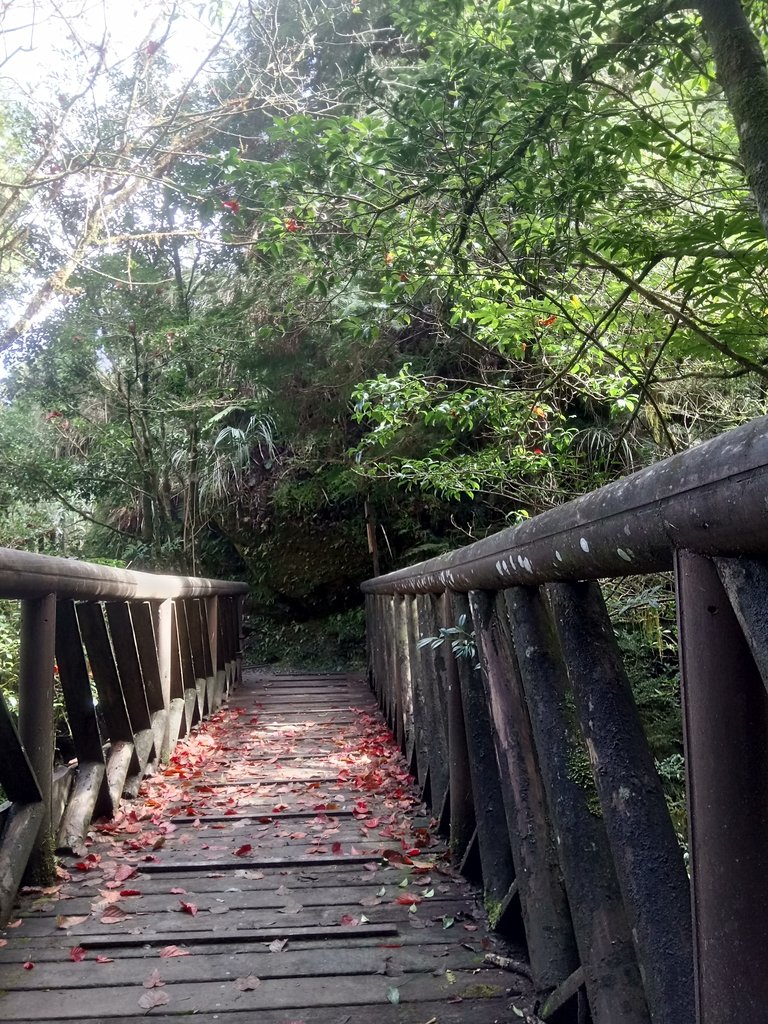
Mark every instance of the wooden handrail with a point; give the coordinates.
(159, 652)
(23, 574)
(533, 755)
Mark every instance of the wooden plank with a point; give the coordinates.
(255, 865)
(338, 991)
(222, 965)
(279, 894)
(52, 948)
(117, 940)
(258, 816)
(483, 1011)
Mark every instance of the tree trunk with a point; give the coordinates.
(742, 72)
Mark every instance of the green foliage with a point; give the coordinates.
(459, 263)
(9, 652)
(330, 643)
(643, 613)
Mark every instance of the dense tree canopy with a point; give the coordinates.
(375, 275)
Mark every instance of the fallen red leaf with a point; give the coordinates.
(169, 951)
(28, 965)
(244, 850)
(188, 908)
(76, 954)
(104, 959)
(153, 998)
(114, 915)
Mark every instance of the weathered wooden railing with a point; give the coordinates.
(140, 659)
(615, 930)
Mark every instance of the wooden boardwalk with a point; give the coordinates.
(280, 869)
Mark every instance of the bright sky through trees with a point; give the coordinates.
(37, 39)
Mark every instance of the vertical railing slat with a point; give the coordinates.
(90, 796)
(462, 821)
(122, 760)
(146, 647)
(131, 680)
(604, 941)
(36, 717)
(432, 662)
(546, 917)
(496, 861)
(725, 719)
(646, 854)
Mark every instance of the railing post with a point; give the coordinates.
(461, 803)
(164, 630)
(431, 664)
(496, 861)
(603, 937)
(36, 717)
(403, 668)
(725, 727)
(646, 853)
(91, 793)
(547, 920)
(217, 679)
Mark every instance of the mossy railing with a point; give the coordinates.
(139, 660)
(585, 864)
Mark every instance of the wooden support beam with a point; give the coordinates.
(603, 938)
(177, 717)
(725, 718)
(421, 729)
(432, 663)
(544, 905)
(17, 776)
(199, 667)
(188, 684)
(462, 824)
(131, 680)
(146, 647)
(403, 668)
(493, 837)
(214, 671)
(36, 717)
(646, 854)
(22, 828)
(87, 794)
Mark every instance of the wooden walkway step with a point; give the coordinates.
(280, 869)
